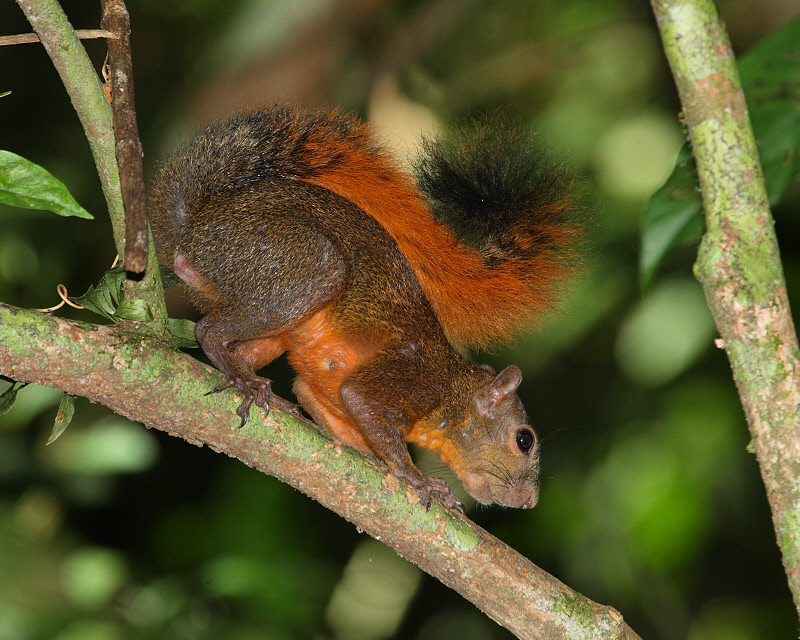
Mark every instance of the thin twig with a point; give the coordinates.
(83, 34)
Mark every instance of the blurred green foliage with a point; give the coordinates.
(650, 503)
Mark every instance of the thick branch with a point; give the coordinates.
(738, 262)
(132, 374)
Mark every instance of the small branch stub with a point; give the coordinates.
(29, 38)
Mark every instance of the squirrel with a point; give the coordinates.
(295, 232)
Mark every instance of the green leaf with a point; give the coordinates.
(183, 333)
(94, 302)
(673, 217)
(106, 299)
(776, 125)
(112, 283)
(66, 409)
(134, 310)
(103, 299)
(770, 75)
(27, 185)
(8, 393)
(5, 384)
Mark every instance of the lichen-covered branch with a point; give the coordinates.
(738, 262)
(132, 373)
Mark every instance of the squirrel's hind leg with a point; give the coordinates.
(256, 291)
(238, 360)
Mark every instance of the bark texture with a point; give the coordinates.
(738, 262)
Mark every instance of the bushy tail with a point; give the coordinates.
(513, 212)
(490, 241)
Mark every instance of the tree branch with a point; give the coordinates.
(132, 373)
(128, 147)
(30, 38)
(738, 262)
(89, 100)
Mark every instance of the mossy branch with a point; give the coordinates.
(738, 262)
(132, 373)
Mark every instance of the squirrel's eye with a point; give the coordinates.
(525, 440)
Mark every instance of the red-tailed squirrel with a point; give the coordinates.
(295, 232)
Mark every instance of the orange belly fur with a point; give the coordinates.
(323, 358)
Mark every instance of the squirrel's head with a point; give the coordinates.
(498, 457)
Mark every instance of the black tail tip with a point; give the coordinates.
(488, 176)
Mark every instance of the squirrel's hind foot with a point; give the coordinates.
(255, 389)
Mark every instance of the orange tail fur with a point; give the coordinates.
(481, 296)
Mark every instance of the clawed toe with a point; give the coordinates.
(453, 503)
(445, 495)
(285, 405)
(263, 392)
(254, 390)
(243, 410)
(221, 387)
(428, 485)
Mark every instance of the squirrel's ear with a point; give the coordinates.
(502, 387)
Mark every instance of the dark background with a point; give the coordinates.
(650, 503)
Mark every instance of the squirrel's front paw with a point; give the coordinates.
(425, 485)
(445, 494)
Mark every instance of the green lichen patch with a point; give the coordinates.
(463, 537)
(575, 609)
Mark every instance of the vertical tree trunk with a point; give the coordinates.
(738, 262)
